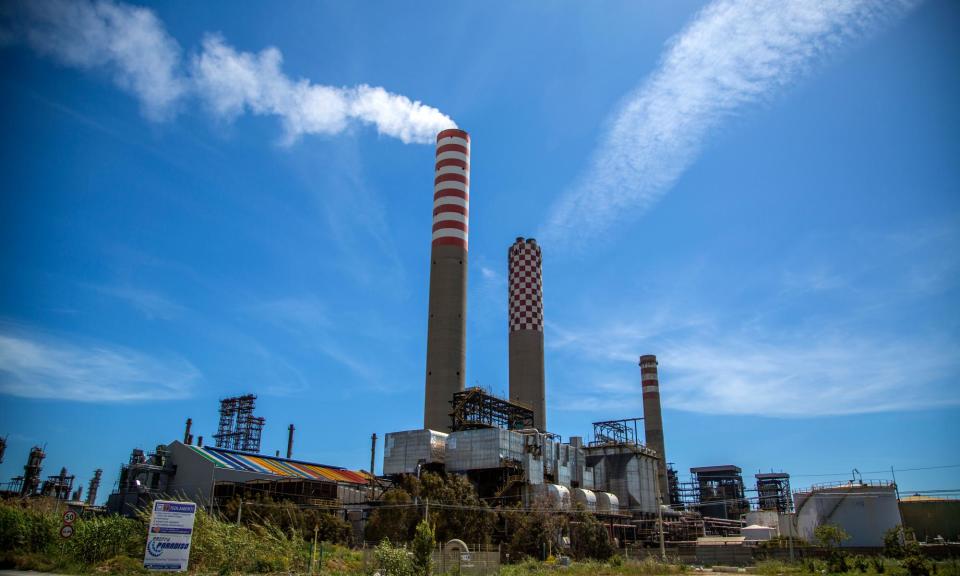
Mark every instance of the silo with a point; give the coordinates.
(446, 324)
(653, 421)
(525, 288)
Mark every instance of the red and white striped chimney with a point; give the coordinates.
(653, 420)
(446, 325)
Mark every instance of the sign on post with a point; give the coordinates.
(168, 540)
(69, 516)
(66, 531)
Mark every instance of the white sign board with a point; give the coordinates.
(168, 541)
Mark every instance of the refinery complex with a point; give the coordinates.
(503, 445)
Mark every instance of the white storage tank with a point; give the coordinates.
(607, 502)
(585, 498)
(865, 510)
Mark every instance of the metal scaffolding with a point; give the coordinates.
(616, 432)
(239, 429)
(476, 408)
(773, 491)
(716, 492)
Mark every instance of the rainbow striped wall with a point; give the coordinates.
(279, 466)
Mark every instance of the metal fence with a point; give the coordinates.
(454, 560)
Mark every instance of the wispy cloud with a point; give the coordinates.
(35, 365)
(844, 339)
(731, 369)
(127, 42)
(734, 54)
(150, 303)
(132, 46)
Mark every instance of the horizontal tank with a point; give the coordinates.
(550, 495)
(607, 502)
(585, 498)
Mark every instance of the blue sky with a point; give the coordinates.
(201, 200)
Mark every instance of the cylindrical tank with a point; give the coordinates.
(585, 498)
(446, 324)
(607, 502)
(653, 421)
(525, 293)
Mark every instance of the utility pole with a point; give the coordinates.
(663, 548)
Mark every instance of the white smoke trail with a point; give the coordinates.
(734, 53)
(132, 46)
(231, 82)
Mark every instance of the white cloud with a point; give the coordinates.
(37, 366)
(735, 53)
(151, 304)
(769, 372)
(131, 44)
(797, 353)
(127, 42)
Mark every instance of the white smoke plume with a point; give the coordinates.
(232, 82)
(131, 45)
(735, 53)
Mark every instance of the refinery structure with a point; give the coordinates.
(504, 446)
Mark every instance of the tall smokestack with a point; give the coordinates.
(290, 441)
(446, 325)
(525, 288)
(94, 487)
(186, 433)
(652, 420)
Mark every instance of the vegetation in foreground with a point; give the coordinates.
(110, 545)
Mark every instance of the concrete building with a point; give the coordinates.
(525, 297)
(446, 323)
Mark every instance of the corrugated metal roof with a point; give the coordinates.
(279, 466)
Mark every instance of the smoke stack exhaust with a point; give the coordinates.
(446, 324)
(290, 441)
(652, 419)
(525, 288)
(187, 437)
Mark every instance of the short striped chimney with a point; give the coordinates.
(525, 287)
(652, 420)
(446, 325)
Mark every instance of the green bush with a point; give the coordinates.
(392, 560)
(27, 529)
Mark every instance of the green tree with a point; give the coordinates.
(423, 543)
(831, 536)
(395, 520)
(589, 538)
(534, 531)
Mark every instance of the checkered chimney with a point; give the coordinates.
(525, 288)
(446, 324)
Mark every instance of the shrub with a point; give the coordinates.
(392, 560)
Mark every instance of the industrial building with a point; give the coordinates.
(502, 445)
(201, 473)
